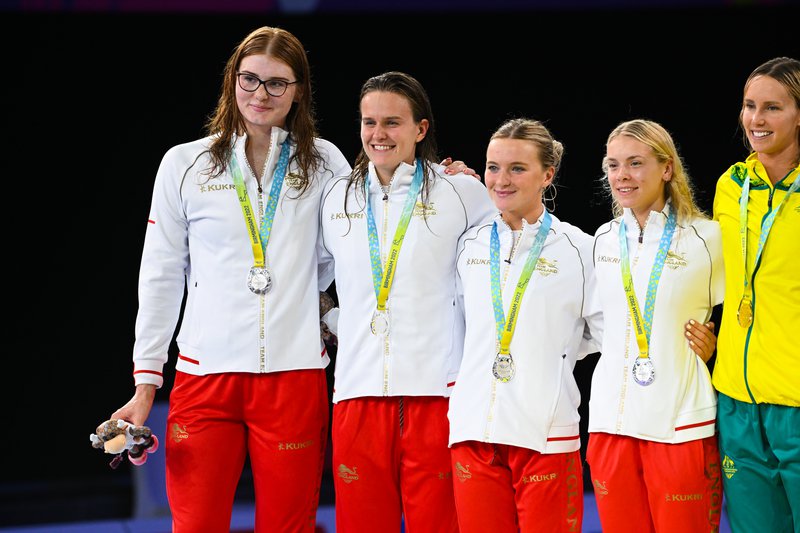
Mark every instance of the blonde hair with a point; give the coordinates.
(550, 150)
(678, 190)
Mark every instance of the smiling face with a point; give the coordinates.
(636, 176)
(771, 118)
(515, 178)
(389, 134)
(261, 111)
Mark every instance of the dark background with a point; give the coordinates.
(99, 94)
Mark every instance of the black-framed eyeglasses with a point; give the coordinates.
(251, 83)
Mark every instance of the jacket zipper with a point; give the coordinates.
(753, 289)
(384, 231)
(262, 311)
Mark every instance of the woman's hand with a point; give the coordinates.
(454, 167)
(702, 339)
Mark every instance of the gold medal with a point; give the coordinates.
(745, 312)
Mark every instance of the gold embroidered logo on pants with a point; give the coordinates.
(294, 445)
(347, 474)
(538, 478)
(600, 488)
(462, 472)
(682, 497)
(178, 433)
(728, 467)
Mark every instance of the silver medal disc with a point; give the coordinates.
(503, 367)
(259, 280)
(643, 371)
(380, 323)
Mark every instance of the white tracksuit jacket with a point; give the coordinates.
(421, 355)
(680, 405)
(197, 240)
(559, 322)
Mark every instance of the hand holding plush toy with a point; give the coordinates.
(116, 436)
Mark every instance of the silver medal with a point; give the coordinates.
(643, 371)
(380, 323)
(503, 368)
(259, 280)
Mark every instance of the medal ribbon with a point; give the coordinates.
(382, 277)
(260, 238)
(766, 226)
(505, 329)
(643, 325)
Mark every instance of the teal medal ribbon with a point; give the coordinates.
(383, 276)
(643, 368)
(744, 313)
(260, 279)
(503, 368)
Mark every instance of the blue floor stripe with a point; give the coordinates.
(242, 522)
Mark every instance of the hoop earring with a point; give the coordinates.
(549, 197)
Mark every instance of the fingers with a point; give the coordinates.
(702, 339)
(455, 167)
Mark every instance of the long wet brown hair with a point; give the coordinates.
(226, 121)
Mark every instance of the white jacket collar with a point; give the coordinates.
(277, 136)
(528, 228)
(656, 220)
(401, 179)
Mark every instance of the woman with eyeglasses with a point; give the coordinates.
(391, 229)
(233, 222)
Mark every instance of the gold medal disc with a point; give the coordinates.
(745, 313)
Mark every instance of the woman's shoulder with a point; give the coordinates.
(606, 227)
(479, 232)
(327, 148)
(705, 226)
(190, 147)
(336, 186)
(734, 174)
(334, 163)
(569, 229)
(187, 152)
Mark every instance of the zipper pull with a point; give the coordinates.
(641, 235)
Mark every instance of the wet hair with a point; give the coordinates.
(227, 121)
(411, 90)
(550, 150)
(679, 188)
(784, 70)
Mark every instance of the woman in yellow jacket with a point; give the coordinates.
(757, 373)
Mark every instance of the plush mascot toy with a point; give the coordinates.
(117, 436)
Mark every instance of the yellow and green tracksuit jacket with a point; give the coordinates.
(760, 364)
